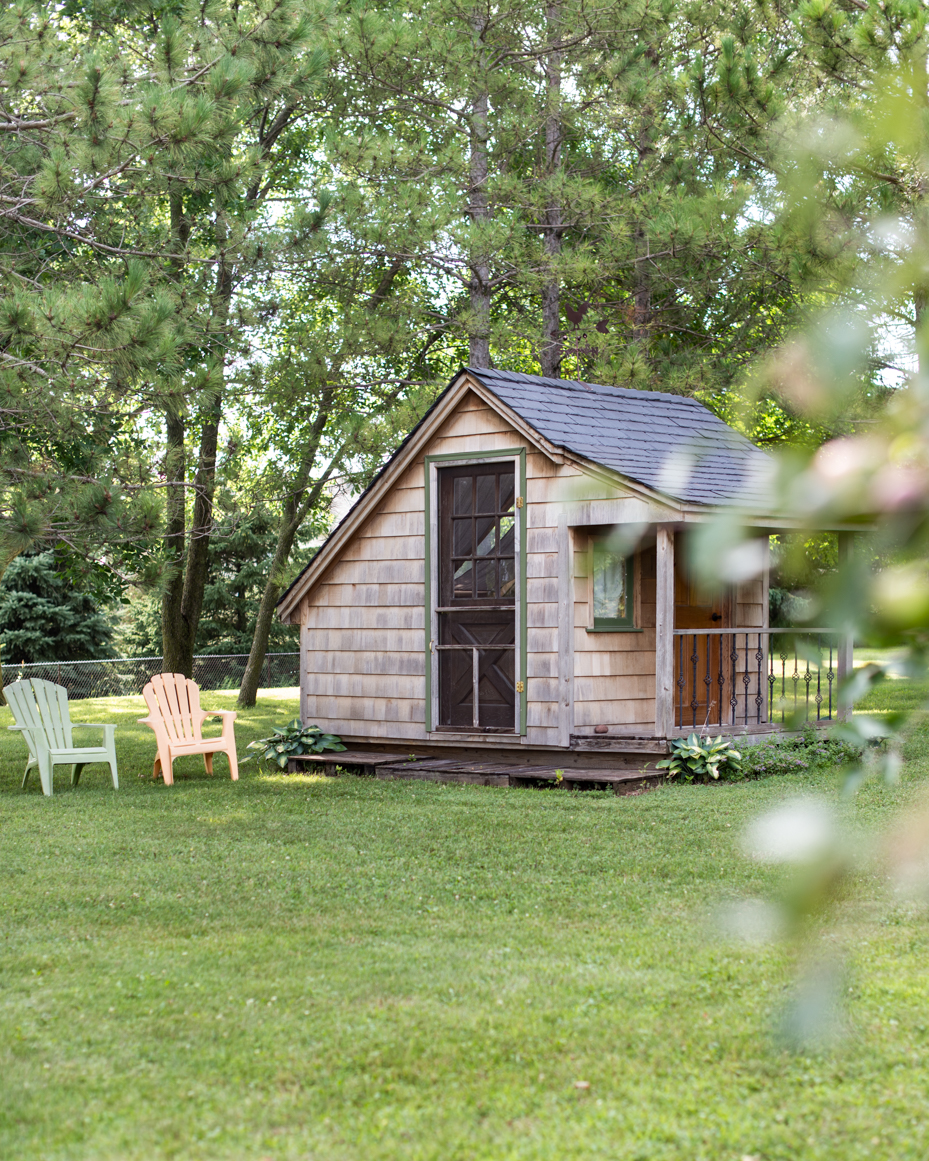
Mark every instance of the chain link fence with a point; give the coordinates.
(127, 675)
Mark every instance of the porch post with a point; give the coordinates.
(565, 632)
(664, 632)
(846, 658)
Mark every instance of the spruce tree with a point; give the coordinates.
(44, 617)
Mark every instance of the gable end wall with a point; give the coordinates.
(363, 632)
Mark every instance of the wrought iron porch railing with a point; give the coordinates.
(741, 677)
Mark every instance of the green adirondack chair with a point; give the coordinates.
(41, 712)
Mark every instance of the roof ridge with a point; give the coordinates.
(549, 381)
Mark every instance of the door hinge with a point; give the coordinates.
(520, 687)
(519, 501)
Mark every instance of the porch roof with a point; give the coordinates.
(669, 443)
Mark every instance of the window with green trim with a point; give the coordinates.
(613, 596)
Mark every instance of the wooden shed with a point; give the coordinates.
(513, 586)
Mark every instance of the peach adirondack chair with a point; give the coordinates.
(175, 715)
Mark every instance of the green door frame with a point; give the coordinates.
(453, 459)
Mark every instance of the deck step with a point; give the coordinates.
(426, 768)
(361, 761)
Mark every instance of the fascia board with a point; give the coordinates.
(370, 500)
(365, 507)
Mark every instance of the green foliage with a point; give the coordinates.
(241, 549)
(44, 617)
(292, 740)
(810, 750)
(697, 759)
(786, 608)
(137, 631)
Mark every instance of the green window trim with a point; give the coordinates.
(618, 566)
(466, 457)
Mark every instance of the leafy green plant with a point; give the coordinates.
(697, 759)
(794, 755)
(294, 739)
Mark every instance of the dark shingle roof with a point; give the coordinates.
(668, 442)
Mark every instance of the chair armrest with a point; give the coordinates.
(93, 726)
(221, 714)
(28, 729)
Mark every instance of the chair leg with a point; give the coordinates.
(76, 772)
(46, 774)
(208, 763)
(111, 762)
(156, 769)
(167, 768)
(29, 766)
(233, 762)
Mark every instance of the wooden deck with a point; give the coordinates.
(429, 768)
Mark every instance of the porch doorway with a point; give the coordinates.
(477, 598)
(698, 659)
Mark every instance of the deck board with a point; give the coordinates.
(424, 768)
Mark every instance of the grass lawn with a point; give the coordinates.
(349, 969)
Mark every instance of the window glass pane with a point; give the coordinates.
(462, 496)
(486, 577)
(461, 537)
(507, 533)
(507, 576)
(507, 490)
(486, 494)
(486, 536)
(462, 577)
(610, 596)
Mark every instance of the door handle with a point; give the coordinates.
(716, 617)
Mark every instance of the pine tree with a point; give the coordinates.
(43, 617)
(596, 178)
(139, 148)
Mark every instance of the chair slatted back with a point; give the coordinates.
(176, 700)
(42, 705)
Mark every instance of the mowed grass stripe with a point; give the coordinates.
(294, 967)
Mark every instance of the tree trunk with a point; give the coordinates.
(642, 289)
(479, 213)
(183, 598)
(550, 354)
(251, 679)
(642, 277)
(172, 598)
(920, 303)
(297, 510)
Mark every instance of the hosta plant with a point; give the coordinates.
(697, 759)
(294, 739)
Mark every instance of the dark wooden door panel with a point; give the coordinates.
(478, 656)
